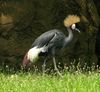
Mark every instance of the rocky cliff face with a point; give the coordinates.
(22, 21)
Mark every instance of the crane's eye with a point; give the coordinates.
(73, 26)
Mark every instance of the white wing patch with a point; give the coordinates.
(34, 52)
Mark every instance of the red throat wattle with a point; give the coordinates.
(25, 62)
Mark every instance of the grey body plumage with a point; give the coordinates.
(53, 39)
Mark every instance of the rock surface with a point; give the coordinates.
(21, 22)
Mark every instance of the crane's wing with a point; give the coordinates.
(45, 38)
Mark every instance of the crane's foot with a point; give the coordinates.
(58, 72)
(56, 69)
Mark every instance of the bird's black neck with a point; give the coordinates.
(70, 36)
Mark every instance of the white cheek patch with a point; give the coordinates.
(34, 52)
(73, 26)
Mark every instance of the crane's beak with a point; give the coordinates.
(77, 30)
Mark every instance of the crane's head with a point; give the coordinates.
(71, 21)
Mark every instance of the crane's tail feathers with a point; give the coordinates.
(71, 19)
(33, 53)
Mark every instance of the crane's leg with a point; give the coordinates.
(55, 66)
(44, 65)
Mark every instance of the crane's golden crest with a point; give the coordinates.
(71, 19)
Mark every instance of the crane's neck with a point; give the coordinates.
(70, 36)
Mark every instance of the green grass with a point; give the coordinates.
(71, 82)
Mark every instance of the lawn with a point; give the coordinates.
(30, 82)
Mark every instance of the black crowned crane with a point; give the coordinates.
(51, 41)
